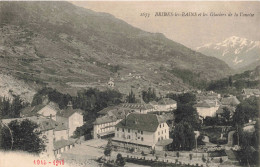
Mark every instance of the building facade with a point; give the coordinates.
(140, 132)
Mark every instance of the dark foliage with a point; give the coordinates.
(120, 161)
(84, 130)
(131, 97)
(189, 77)
(183, 137)
(149, 95)
(11, 109)
(108, 148)
(234, 84)
(53, 95)
(93, 100)
(185, 98)
(25, 136)
(187, 113)
(247, 109)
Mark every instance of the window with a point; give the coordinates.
(163, 125)
(162, 138)
(162, 131)
(142, 138)
(117, 129)
(160, 126)
(165, 130)
(123, 130)
(138, 131)
(128, 130)
(141, 132)
(159, 139)
(158, 133)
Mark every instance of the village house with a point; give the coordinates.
(142, 108)
(230, 101)
(111, 83)
(208, 95)
(104, 126)
(207, 108)
(48, 110)
(71, 118)
(165, 104)
(142, 132)
(246, 93)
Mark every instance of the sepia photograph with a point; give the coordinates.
(129, 83)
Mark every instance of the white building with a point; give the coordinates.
(207, 108)
(165, 104)
(71, 118)
(141, 132)
(104, 126)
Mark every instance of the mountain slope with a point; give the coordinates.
(238, 53)
(69, 48)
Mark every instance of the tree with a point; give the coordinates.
(108, 148)
(120, 161)
(190, 155)
(11, 108)
(25, 136)
(226, 114)
(187, 113)
(230, 81)
(131, 97)
(183, 137)
(149, 95)
(185, 98)
(153, 152)
(247, 109)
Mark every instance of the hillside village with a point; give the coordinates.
(144, 129)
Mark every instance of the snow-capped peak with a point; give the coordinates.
(235, 51)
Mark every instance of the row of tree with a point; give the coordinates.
(11, 108)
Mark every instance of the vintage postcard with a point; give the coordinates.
(129, 83)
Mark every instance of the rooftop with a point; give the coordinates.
(33, 111)
(207, 103)
(251, 91)
(67, 112)
(231, 100)
(166, 101)
(137, 106)
(45, 124)
(62, 143)
(143, 122)
(164, 142)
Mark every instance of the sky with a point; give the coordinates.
(191, 31)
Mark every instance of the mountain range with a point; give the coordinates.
(239, 53)
(70, 48)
